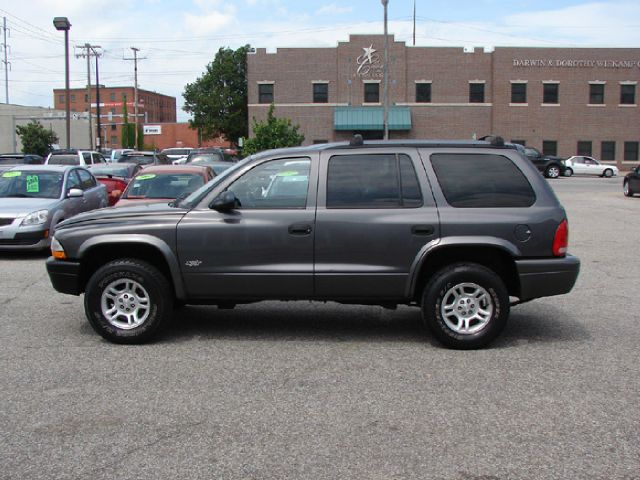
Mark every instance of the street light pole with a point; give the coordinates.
(62, 23)
(385, 94)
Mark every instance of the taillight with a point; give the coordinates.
(561, 239)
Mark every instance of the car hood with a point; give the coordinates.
(15, 207)
(122, 214)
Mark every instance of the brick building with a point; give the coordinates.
(561, 100)
(152, 108)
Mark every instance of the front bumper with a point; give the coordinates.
(64, 275)
(547, 277)
(24, 240)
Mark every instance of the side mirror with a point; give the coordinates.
(75, 193)
(225, 202)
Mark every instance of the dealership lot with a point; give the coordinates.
(300, 390)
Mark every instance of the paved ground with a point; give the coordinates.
(314, 391)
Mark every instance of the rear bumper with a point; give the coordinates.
(547, 277)
(64, 275)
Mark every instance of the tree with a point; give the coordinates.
(272, 133)
(218, 99)
(35, 138)
(128, 129)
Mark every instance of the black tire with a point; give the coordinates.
(470, 279)
(568, 172)
(626, 188)
(144, 284)
(608, 173)
(552, 171)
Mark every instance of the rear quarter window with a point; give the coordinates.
(479, 180)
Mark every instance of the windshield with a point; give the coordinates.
(205, 158)
(139, 159)
(197, 195)
(31, 184)
(64, 160)
(163, 185)
(111, 170)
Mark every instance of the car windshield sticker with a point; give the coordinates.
(146, 176)
(33, 184)
(11, 174)
(288, 174)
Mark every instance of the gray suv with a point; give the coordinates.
(462, 230)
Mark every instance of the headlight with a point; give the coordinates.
(36, 218)
(57, 250)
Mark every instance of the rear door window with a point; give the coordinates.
(476, 180)
(372, 181)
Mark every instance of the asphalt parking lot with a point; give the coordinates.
(324, 391)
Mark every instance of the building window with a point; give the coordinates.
(596, 93)
(112, 97)
(113, 126)
(265, 93)
(476, 93)
(549, 147)
(608, 150)
(584, 147)
(518, 93)
(320, 92)
(520, 142)
(114, 139)
(423, 92)
(631, 151)
(550, 93)
(61, 98)
(371, 93)
(627, 94)
(86, 97)
(72, 98)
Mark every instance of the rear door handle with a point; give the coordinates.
(300, 229)
(422, 230)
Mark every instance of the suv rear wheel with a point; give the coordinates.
(128, 300)
(465, 305)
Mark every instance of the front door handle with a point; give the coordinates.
(300, 229)
(422, 230)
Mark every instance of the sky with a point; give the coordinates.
(178, 38)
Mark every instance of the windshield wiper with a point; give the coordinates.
(19, 195)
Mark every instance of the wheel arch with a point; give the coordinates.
(495, 257)
(98, 251)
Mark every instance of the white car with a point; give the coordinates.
(581, 165)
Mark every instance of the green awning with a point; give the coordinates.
(371, 118)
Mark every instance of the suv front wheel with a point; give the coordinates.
(465, 305)
(128, 300)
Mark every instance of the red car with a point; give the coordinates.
(163, 183)
(116, 177)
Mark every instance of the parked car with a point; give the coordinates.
(631, 182)
(116, 177)
(177, 155)
(550, 166)
(213, 157)
(163, 183)
(35, 198)
(20, 159)
(75, 157)
(144, 158)
(116, 153)
(582, 165)
(376, 223)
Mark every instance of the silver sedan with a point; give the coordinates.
(35, 198)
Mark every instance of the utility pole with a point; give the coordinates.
(88, 47)
(135, 91)
(7, 64)
(99, 129)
